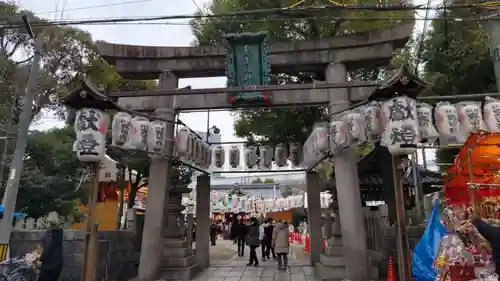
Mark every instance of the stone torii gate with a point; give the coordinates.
(163, 253)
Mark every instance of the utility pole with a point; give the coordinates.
(12, 186)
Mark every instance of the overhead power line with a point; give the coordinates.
(273, 11)
(95, 7)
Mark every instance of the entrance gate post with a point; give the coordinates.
(313, 187)
(159, 184)
(347, 184)
(203, 221)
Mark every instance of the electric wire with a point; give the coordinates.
(95, 7)
(272, 11)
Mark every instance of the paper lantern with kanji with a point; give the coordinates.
(470, 118)
(91, 126)
(266, 157)
(139, 133)
(446, 120)
(157, 136)
(250, 154)
(120, 128)
(219, 157)
(234, 157)
(182, 144)
(354, 128)
(428, 133)
(373, 121)
(338, 139)
(401, 134)
(491, 112)
(294, 152)
(281, 155)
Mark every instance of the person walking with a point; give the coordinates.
(262, 241)
(240, 231)
(252, 240)
(281, 243)
(268, 237)
(213, 233)
(52, 255)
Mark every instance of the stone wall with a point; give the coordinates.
(118, 256)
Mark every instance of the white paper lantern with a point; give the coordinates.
(428, 133)
(182, 144)
(400, 115)
(157, 136)
(91, 127)
(250, 154)
(266, 157)
(446, 119)
(401, 133)
(294, 153)
(281, 155)
(287, 204)
(354, 128)
(219, 157)
(234, 157)
(203, 153)
(120, 128)
(491, 112)
(208, 156)
(337, 136)
(278, 204)
(139, 133)
(234, 204)
(259, 206)
(470, 118)
(320, 139)
(373, 121)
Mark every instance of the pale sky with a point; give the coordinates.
(141, 34)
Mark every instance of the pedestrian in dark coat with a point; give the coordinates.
(268, 237)
(52, 255)
(492, 234)
(253, 241)
(213, 233)
(240, 232)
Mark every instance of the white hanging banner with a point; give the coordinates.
(91, 126)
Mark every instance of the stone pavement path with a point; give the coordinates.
(263, 273)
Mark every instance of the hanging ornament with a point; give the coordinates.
(373, 121)
(156, 136)
(491, 112)
(139, 133)
(121, 128)
(446, 119)
(400, 115)
(354, 128)
(470, 118)
(266, 157)
(428, 133)
(281, 155)
(219, 157)
(91, 126)
(337, 135)
(250, 154)
(234, 157)
(295, 158)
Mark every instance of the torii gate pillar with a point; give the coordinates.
(159, 185)
(347, 183)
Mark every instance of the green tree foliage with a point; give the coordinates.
(269, 181)
(454, 54)
(52, 174)
(275, 124)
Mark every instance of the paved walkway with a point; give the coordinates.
(263, 273)
(226, 265)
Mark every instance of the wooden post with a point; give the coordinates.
(403, 250)
(91, 228)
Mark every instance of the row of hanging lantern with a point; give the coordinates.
(138, 133)
(189, 148)
(401, 124)
(221, 202)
